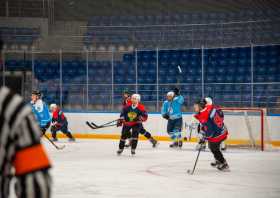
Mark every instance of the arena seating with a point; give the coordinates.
(222, 65)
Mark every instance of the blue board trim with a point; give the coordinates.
(275, 115)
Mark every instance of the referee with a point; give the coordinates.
(20, 148)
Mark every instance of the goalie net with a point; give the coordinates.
(248, 128)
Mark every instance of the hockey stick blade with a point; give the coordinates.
(60, 148)
(94, 125)
(190, 172)
(90, 125)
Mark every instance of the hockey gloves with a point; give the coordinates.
(53, 127)
(119, 123)
(202, 141)
(176, 91)
(53, 120)
(138, 119)
(166, 116)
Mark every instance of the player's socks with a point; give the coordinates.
(134, 143)
(172, 136)
(177, 133)
(122, 142)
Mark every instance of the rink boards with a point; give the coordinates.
(156, 125)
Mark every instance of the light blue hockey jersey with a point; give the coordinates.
(41, 112)
(175, 111)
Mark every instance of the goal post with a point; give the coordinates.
(247, 128)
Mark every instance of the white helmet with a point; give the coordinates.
(208, 101)
(53, 106)
(136, 96)
(171, 93)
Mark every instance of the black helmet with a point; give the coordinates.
(201, 102)
(37, 93)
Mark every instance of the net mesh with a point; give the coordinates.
(248, 128)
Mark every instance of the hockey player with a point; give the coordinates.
(126, 95)
(174, 116)
(61, 123)
(41, 111)
(132, 115)
(215, 130)
(200, 131)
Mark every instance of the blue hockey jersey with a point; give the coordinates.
(175, 111)
(213, 124)
(129, 112)
(41, 112)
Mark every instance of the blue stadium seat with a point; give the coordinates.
(261, 71)
(125, 64)
(233, 55)
(133, 64)
(95, 89)
(145, 64)
(214, 56)
(273, 54)
(54, 64)
(213, 64)
(272, 62)
(50, 72)
(242, 63)
(220, 79)
(127, 57)
(78, 80)
(262, 62)
(92, 72)
(141, 80)
(172, 72)
(174, 64)
(193, 64)
(211, 72)
(142, 72)
(246, 100)
(104, 99)
(210, 79)
(44, 64)
(199, 72)
(218, 89)
(95, 64)
(164, 64)
(222, 63)
(192, 72)
(194, 56)
(120, 80)
(39, 72)
(170, 79)
(108, 80)
(52, 89)
(232, 63)
(101, 72)
(241, 71)
(175, 56)
(84, 64)
(243, 55)
(185, 56)
(21, 64)
(74, 89)
(226, 99)
(221, 72)
(57, 71)
(198, 79)
(184, 64)
(122, 72)
(152, 73)
(67, 79)
(131, 72)
(165, 57)
(110, 72)
(117, 90)
(105, 64)
(99, 80)
(71, 72)
(50, 97)
(150, 80)
(248, 71)
(74, 64)
(130, 80)
(82, 72)
(223, 56)
(11, 65)
(260, 79)
(232, 72)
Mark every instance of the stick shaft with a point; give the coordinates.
(176, 86)
(196, 160)
(50, 141)
(191, 133)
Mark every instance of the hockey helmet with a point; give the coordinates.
(136, 96)
(37, 93)
(171, 93)
(127, 91)
(201, 102)
(208, 101)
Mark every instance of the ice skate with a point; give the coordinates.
(54, 139)
(132, 152)
(119, 152)
(129, 144)
(72, 139)
(180, 144)
(154, 142)
(215, 164)
(174, 144)
(223, 167)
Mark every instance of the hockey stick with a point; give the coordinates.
(58, 148)
(89, 125)
(104, 124)
(190, 133)
(191, 172)
(179, 68)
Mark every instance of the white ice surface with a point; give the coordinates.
(91, 168)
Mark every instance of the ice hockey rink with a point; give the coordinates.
(91, 168)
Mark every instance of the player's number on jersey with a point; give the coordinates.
(218, 120)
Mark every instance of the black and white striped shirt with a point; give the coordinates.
(20, 149)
